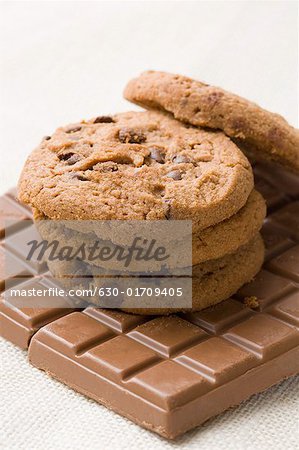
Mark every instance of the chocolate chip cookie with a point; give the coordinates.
(212, 281)
(137, 166)
(266, 134)
(211, 243)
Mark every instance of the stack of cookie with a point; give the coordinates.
(151, 166)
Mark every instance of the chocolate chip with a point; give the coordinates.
(73, 129)
(157, 154)
(175, 175)
(65, 156)
(103, 119)
(180, 159)
(46, 138)
(130, 136)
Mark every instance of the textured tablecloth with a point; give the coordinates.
(63, 61)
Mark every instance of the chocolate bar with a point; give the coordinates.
(166, 374)
(171, 374)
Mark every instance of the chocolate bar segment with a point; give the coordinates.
(12, 269)
(176, 389)
(18, 324)
(265, 288)
(12, 216)
(283, 180)
(204, 359)
(288, 219)
(119, 358)
(276, 239)
(264, 336)
(287, 264)
(288, 309)
(217, 319)
(161, 334)
(18, 245)
(273, 197)
(117, 320)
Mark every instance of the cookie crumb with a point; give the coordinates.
(252, 302)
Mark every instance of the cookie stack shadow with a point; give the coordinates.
(168, 163)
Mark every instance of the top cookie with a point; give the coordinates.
(267, 134)
(136, 166)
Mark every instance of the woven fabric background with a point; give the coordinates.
(62, 61)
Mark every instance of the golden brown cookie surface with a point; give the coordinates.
(197, 103)
(138, 166)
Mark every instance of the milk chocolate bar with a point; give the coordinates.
(170, 374)
(167, 374)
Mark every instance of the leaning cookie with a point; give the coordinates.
(212, 281)
(197, 103)
(137, 166)
(211, 243)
